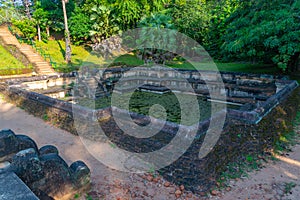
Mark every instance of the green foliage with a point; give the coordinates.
(8, 12)
(127, 12)
(54, 8)
(130, 12)
(220, 11)
(40, 17)
(45, 117)
(80, 26)
(104, 25)
(191, 18)
(288, 139)
(154, 41)
(26, 27)
(265, 31)
(158, 21)
(289, 186)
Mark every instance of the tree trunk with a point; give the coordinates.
(48, 31)
(39, 32)
(26, 5)
(67, 34)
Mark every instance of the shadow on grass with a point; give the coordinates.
(63, 52)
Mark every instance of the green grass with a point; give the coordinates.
(233, 67)
(129, 59)
(8, 61)
(81, 56)
(132, 60)
(9, 65)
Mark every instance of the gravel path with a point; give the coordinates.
(279, 180)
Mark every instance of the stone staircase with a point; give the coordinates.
(93, 88)
(41, 66)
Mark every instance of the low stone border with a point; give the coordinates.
(261, 128)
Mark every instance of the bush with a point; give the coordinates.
(26, 27)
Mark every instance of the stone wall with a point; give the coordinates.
(252, 129)
(239, 87)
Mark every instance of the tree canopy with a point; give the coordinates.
(266, 31)
(255, 31)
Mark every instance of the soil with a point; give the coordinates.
(277, 180)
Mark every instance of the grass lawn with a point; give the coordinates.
(9, 65)
(81, 56)
(132, 60)
(8, 61)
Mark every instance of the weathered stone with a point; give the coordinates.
(10, 144)
(44, 171)
(48, 175)
(12, 187)
(27, 165)
(48, 149)
(81, 174)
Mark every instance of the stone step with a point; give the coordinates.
(12, 187)
(37, 60)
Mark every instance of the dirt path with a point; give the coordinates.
(276, 181)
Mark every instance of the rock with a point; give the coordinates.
(48, 149)
(27, 165)
(167, 184)
(11, 144)
(178, 193)
(155, 180)
(150, 178)
(214, 192)
(181, 187)
(81, 173)
(202, 194)
(48, 175)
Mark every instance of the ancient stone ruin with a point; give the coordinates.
(250, 127)
(46, 174)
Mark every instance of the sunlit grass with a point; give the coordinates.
(81, 56)
(8, 61)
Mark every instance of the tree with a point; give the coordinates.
(8, 12)
(191, 18)
(104, 24)
(26, 27)
(56, 16)
(67, 33)
(27, 4)
(80, 26)
(41, 18)
(219, 12)
(265, 31)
